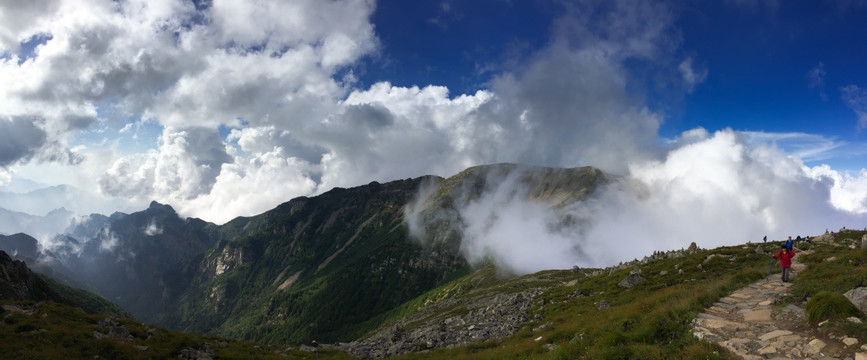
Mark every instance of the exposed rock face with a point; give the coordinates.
(229, 259)
(17, 282)
(492, 317)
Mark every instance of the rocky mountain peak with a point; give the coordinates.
(155, 206)
(17, 282)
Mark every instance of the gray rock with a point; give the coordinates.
(202, 353)
(858, 296)
(630, 281)
(490, 317)
(112, 329)
(760, 250)
(603, 305)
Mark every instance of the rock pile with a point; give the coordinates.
(657, 255)
(112, 329)
(492, 316)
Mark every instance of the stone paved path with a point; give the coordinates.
(747, 323)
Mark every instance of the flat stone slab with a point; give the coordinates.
(709, 316)
(758, 315)
(790, 338)
(767, 350)
(814, 347)
(718, 324)
(774, 334)
(728, 300)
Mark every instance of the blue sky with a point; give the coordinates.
(775, 67)
(196, 104)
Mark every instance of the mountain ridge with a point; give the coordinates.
(323, 267)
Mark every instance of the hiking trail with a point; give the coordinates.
(747, 323)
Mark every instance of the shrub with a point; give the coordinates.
(826, 305)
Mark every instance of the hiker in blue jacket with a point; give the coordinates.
(789, 243)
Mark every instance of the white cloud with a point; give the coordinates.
(816, 76)
(250, 186)
(20, 139)
(712, 189)
(690, 76)
(176, 64)
(107, 240)
(185, 166)
(153, 228)
(856, 98)
(848, 192)
(807, 147)
(20, 19)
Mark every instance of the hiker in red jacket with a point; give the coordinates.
(785, 255)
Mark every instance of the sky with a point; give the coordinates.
(228, 108)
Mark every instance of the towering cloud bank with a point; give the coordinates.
(228, 108)
(712, 189)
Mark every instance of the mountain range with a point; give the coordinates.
(324, 268)
(379, 270)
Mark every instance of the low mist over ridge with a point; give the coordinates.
(713, 189)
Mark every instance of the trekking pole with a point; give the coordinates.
(770, 266)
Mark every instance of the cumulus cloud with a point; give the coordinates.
(178, 63)
(250, 186)
(712, 189)
(185, 166)
(19, 140)
(277, 77)
(19, 19)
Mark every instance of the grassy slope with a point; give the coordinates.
(834, 268)
(56, 331)
(89, 302)
(650, 320)
(378, 268)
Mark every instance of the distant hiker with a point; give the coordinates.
(798, 239)
(785, 255)
(765, 239)
(789, 243)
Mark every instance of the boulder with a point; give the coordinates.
(760, 250)
(202, 353)
(630, 281)
(858, 296)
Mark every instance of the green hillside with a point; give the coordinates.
(316, 268)
(586, 315)
(580, 314)
(49, 330)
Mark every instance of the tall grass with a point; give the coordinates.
(829, 306)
